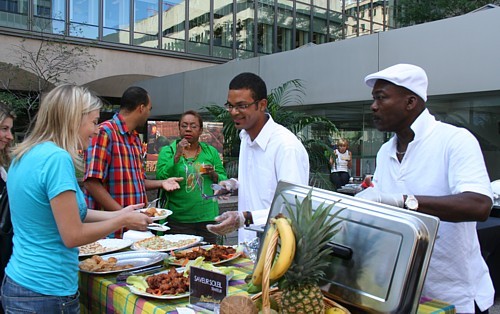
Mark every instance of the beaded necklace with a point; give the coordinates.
(195, 156)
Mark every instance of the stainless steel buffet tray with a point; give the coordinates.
(381, 255)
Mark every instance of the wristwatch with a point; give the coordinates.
(411, 203)
(248, 218)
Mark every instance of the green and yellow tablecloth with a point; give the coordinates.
(101, 294)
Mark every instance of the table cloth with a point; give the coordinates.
(101, 294)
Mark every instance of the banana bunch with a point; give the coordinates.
(282, 226)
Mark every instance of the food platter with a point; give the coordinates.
(143, 293)
(103, 246)
(166, 242)
(136, 259)
(182, 261)
(161, 213)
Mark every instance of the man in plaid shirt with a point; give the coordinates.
(114, 170)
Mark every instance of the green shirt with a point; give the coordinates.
(187, 203)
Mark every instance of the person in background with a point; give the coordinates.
(114, 173)
(48, 210)
(340, 163)
(7, 117)
(200, 166)
(269, 152)
(436, 169)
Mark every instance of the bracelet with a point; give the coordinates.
(248, 218)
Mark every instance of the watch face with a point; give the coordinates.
(412, 203)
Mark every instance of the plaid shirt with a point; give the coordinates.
(115, 158)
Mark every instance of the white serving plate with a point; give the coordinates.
(139, 259)
(110, 245)
(176, 243)
(140, 292)
(173, 261)
(165, 213)
(143, 293)
(136, 291)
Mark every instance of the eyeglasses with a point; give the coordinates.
(192, 126)
(240, 107)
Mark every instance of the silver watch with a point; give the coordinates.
(411, 202)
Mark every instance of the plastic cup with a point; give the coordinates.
(205, 168)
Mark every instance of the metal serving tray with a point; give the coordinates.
(381, 255)
(139, 259)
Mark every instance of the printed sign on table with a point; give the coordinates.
(207, 288)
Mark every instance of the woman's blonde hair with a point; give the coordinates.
(343, 141)
(5, 112)
(58, 120)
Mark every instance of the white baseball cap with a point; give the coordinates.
(409, 76)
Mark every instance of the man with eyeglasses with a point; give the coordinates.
(114, 172)
(269, 152)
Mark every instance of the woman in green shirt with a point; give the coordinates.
(200, 166)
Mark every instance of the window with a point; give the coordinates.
(223, 29)
(14, 13)
(146, 23)
(244, 28)
(116, 26)
(285, 25)
(84, 18)
(49, 16)
(173, 28)
(265, 14)
(199, 27)
(302, 24)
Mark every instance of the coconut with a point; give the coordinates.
(237, 304)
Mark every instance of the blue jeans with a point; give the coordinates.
(17, 299)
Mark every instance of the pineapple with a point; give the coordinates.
(300, 288)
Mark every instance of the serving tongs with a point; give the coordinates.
(216, 187)
(152, 202)
(206, 197)
(122, 277)
(158, 227)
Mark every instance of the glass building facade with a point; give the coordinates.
(477, 112)
(219, 29)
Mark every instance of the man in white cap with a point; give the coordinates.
(437, 169)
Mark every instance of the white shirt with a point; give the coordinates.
(275, 154)
(443, 160)
(341, 162)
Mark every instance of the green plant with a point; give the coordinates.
(313, 230)
(304, 126)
